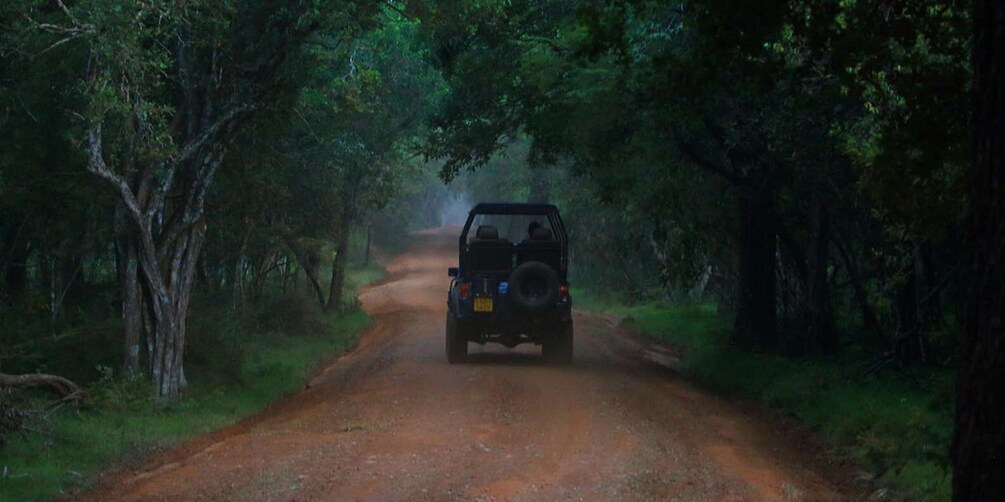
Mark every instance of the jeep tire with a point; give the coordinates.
(457, 345)
(533, 287)
(558, 348)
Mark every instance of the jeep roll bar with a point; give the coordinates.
(505, 208)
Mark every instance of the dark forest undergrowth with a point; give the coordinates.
(895, 425)
(241, 359)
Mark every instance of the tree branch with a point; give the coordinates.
(96, 165)
(190, 150)
(58, 384)
(696, 158)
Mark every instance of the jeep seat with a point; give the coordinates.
(541, 234)
(488, 252)
(542, 247)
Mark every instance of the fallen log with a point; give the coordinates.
(58, 384)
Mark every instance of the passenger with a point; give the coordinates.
(531, 228)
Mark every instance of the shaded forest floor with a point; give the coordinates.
(238, 364)
(895, 424)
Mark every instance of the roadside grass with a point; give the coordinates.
(364, 275)
(237, 365)
(897, 427)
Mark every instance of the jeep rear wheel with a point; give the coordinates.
(558, 349)
(534, 287)
(457, 345)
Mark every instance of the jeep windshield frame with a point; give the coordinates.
(548, 211)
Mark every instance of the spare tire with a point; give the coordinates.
(533, 287)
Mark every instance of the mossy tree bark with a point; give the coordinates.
(979, 443)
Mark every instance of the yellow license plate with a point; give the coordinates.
(483, 305)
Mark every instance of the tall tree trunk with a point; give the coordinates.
(369, 232)
(868, 313)
(47, 274)
(816, 313)
(755, 325)
(71, 274)
(337, 285)
(10, 238)
(310, 262)
(16, 277)
(132, 300)
(698, 292)
(170, 302)
(979, 441)
(793, 292)
(918, 307)
(658, 241)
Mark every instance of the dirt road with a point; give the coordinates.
(392, 421)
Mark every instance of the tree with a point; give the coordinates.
(346, 151)
(980, 398)
(167, 84)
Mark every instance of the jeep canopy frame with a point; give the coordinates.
(516, 209)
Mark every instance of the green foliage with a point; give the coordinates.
(896, 427)
(118, 394)
(842, 119)
(647, 122)
(12, 417)
(338, 155)
(239, 365)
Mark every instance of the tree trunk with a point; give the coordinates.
(918, 307)
(979, 442)
(817, 321)
(698, 292)
(169, 236)
(658, 241)
(792, 293)
(310, 262)
(337, 285)
(58, 384)
(169, 302)
(16, 277)
(71, 280)
(132, 305)
(369, 231)
(127, 267)
(869, 317)
(755, 326)
(168, 244)
(8, 246)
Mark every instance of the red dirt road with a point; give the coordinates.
(392, 420)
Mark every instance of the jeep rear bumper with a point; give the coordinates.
(513, 328)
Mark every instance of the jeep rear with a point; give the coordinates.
(511, 286)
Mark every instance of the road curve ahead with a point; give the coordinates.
(392, 420)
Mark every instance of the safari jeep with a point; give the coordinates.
(511, 283)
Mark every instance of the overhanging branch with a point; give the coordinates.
(96, 165)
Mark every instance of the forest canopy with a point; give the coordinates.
(802, 166)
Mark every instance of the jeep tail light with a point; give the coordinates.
(464, 290)
(563, 291)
